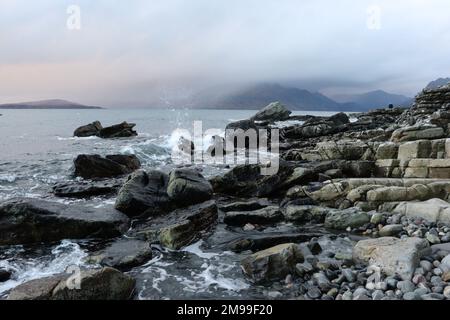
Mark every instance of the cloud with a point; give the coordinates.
(135, 51)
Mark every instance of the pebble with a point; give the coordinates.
(437, 271)
(348, 274)
(377, 295)
(275, 294)
(391, 230)
(314, 293)
(333, 292)
(445, 263)
(433, 296)
(426, 265)
(347, 295)
(418, 278)
(405, 286)
(438, 289)
(432, 238)
(421, 291)
(391, 283)
(322, 281)
(303, 268)
(5, 275)
(360, 291)
(376, 218)
(447, 292)
(411, 296)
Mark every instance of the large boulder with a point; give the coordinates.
(121, 130)
(273, 112)
(273, 263)
(344, 150)
(415, 192)
(101, 284)
(433, 210)
(92, 129)
(394, 256)
(180, 227)
(24, 221)
(187, 187)
(305, 213)
(123, 254)
(414, 149)
(265, 215)
(387, 150)
(144, 193)
(343, 219)
(95, 166)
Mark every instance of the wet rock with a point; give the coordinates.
(92, 129)
(24, 221)
(95, 166)
(394, 256)
(305, 213)
(187, 187)
(342, 219)
(273, 112)
(273, 263)
(144, 194)
(391, 230)
(180, 227)
(246, 205)
(85, 189)
(5, 275)
(102, 284)
(121, 130)
(267, 215)
(123, 254)
(433, 210)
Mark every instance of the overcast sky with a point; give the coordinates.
(131, 52)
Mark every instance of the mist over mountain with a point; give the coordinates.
(438, 83)
(375, 99)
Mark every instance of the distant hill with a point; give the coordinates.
(438, 83)
(47, 104)
(376, 99)
(261, 95)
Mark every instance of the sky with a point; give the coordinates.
(141, 52)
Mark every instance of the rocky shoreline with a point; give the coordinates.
(369, 194)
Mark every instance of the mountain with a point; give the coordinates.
(258, 96)
(46, 104)
(375, 99)
(438, 83)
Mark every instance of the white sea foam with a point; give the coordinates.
(5, 177)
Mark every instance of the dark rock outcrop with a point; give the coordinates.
(5, 275)
(25, 221)
(122, 130)
(101, 284)
(145, 193)
(85, 189)
(92, 129)
(95, 166)
(273, 112)
(187, 187)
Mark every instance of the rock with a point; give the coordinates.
(85, 189)
(246, 205)
(25, 221)
(273, 263)
(388, 150)
(445, 264)
(304, 268)
(92, 129)
(186, 146)
(391, 230)
(417, 133)
(433, 210)
(144, 193)
(121, 130)
(406, 286)
(322, 281)
(305, 213)
(187, 187)
(411, 296)
(95, 166)
(426, 265)
(376, 218)
(102, 284)
(314, 293)
(414, 150)
(344, 150)
(267, 215)
(180, 227)
(123, 254)
(5, 275)
(342, 219)
(273, 112)
(394, 256)
(447, 292)
(432, 238)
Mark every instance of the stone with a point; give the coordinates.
(273, 263)
(322, 281)
(414, 150)
(406, 286)
(121, 130)
(95, 166)
(304, 268)
(342, 219)
(388, 150)
(123, 254)
(187, 187)
(393, 194)
(445, 264)
(394, 256)
(92, 129)
(417, 133)
(85, 189)
(29, 220)
(5, 275)
(305, 213)
(145, 193)
(273, 112)
(265, 215)
(102, 284)
(411, 296)
(426, 265)
(433, 210)
(314, 293)
(344, 150)
(376, 218)
(248, 205)
(447, 292)
(391, 230)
